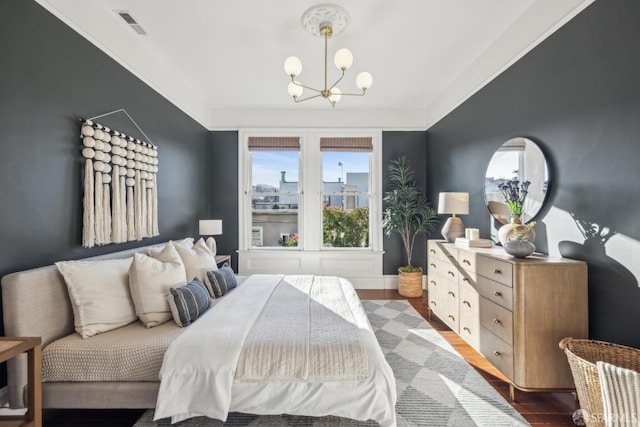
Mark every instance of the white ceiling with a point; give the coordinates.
(222, 61)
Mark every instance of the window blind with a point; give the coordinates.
(274, 143)
(361, 144)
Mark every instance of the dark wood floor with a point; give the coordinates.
(539, 409)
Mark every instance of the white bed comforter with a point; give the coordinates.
(200, 374)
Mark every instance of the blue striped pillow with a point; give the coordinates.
(189, 302)
(220, 281)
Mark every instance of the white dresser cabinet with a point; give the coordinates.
(513, 311)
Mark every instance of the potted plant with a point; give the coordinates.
(408, 213)
(515, 194)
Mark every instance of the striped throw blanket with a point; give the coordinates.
(306, 332)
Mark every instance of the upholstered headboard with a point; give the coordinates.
(35, 303)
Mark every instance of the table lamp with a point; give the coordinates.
(211, 227)
(453, 203)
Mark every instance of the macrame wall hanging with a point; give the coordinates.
(120, 185)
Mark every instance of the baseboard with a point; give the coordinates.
(390, 281)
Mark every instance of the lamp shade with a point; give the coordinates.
(294, 89)
(210, 227)
(292, 66)
(364, 80)
(336, 95)
(343, 59)
(453, 203)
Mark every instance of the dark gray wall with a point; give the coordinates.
(413, 145)
(50, 76)
(578, 95)
(223, 165)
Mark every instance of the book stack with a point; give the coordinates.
(474, 243)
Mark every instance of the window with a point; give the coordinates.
(345, 195)
(310, 190)
(275, 190)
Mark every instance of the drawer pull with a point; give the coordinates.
(497, 294)
(467, 329)
(497, 353)
(432, 265)
(434, 282)
(432, 251)
(450, 256)
(452, 318)
(497, 271)
(452, 294)
(464, 279)
(433, 302)
(497, 321)
(466, 261)
(467, 302)
(451, 273)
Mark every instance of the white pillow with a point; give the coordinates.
(197, 260)
(99, 294)
(155, 250)
(150, 279)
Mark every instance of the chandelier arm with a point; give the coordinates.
(307, 98)
(338, 81)
(305, 86)
(355, 94)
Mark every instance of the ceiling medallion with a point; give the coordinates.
(325, 20)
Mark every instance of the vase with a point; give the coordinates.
(506, 232)
(519, 248)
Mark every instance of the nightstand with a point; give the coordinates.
(11, 347)
(221, 259)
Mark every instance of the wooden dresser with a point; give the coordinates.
(513, 311)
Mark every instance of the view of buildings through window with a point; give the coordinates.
(276, 198)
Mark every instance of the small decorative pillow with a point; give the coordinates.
(220, 281)
(188, 302)
(150, 279)
(99, 294)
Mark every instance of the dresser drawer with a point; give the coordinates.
(469, 315)
(467, 260)
(497, 320)
(495, 269)
(435, 249)
(444, 268)
(496, 292)
(498, 352)
(436, 294)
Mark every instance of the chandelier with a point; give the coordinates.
(325, 21)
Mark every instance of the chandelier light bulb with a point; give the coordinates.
(336, 95)
(292, 66)
(343, 59)
(295, 90)
(364, 80)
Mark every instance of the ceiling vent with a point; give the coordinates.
(132, 22)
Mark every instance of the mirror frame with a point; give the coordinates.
(513, 155)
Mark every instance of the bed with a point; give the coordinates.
(300, 345)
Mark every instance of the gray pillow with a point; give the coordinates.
(189, 302)
(220, 281)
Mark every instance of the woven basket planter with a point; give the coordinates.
(410, 284)
(582, 355)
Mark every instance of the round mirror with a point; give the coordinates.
(517, 159)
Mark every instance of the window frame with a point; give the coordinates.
(310, 188)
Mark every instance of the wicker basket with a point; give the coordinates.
(410, 284)
(583, 355)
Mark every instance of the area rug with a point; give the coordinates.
(436, 386)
